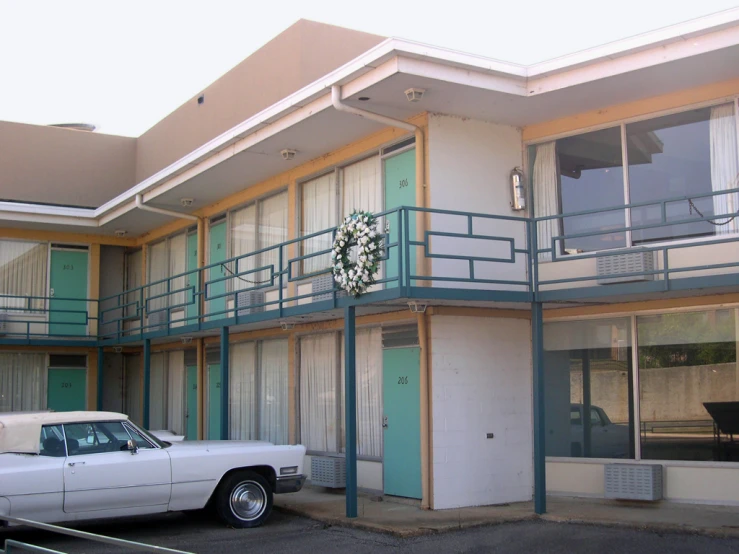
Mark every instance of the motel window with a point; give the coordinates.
(167, 410)
(133, 262)
(23, 268)
(687, 156)
(258, 383)
(166, 259)
(321, 383)
(23, 381)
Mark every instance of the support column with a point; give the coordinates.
(537, 342)
(224, 383)
(350, 405)
(101, 369)
(147, 381)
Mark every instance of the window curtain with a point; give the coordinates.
(272, 231)
(158, 270)
(724, 167)
(361, 188)
(273, 391)
(22, 273)
(132, 392)
(243, 241)
(318, 394)
(22, 382)
(157, 395)
(319, 214)
(546, 184)
(133, 281)
(177, 266)
(176, 392)
(369, 391)
(242, 406)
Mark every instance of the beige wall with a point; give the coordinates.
(63, 166)
(295, 58)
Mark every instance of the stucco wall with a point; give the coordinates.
(481, 383)
(469, 166)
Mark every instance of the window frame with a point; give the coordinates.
(44, 304)
(621, 123)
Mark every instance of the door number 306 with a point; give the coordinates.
(403, 380)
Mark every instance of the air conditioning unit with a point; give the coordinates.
(325, 283)
(609, 267)
(247, 302)
(156, 321)
(633, 482)
(328, 471)
(3, 323)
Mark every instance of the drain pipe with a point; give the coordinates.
(422, 322)
(141, 206)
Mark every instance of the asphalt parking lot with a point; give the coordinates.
(288, 533)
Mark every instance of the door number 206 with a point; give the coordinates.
(403, 380)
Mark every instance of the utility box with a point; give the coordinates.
(328, 471)
(633, 481)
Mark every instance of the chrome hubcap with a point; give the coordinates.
(248, 500)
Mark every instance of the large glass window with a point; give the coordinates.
(166, 259)
(318, 205)
(167, 408)
(689, 386)
(588, 384)
(23, 380)
(22, 273)
(681, 156)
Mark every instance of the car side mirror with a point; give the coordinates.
(132, 447)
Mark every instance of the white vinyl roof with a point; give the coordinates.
(21, 432)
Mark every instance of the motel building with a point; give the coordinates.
(556, 309)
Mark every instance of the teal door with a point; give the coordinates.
(192, 402)
(214, 401)
(68, 280)
(402, 421)
(217, 250)
(400, 190)
(193, 280)
(66, 389)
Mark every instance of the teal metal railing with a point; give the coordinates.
(24, 318)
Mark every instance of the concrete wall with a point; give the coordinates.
(481, 383)
(469, 166)
(295, 58)
(63, 166)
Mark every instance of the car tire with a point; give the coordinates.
(244, 500)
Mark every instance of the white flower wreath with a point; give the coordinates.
(360, 229)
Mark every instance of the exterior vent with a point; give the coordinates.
(325, 283)
(247, 302)
(3, 323)
(157, 321)
(328, 471)
(609, 267)
(633, 482)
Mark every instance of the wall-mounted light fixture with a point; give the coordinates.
(186, 202)
(117, 349)
(414, 94)
(286, 325)
(416, 307)
(518, 194)
(120, 233)
(288, 154)
(186, 340)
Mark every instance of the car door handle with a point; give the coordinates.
(72, 464)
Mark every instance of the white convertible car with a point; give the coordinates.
(70, 466)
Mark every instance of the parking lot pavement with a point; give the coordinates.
(288, 533)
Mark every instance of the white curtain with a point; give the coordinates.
(724, 167)
(546, 181)
(157, 394)
(243, 241)
(177, 266)
(273, 391)
(158, 270)
(272, 231)
(318, 393)
(132, 395)
(242, 405)
(176, 392)
(361, 187)
(368, 356)
(319, 213)
(23, 382)
(22, 273)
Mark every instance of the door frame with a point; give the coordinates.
(87, 378)
(66, 247)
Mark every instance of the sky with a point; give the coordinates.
(124, 65)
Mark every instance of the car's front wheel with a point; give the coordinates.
(244, 499)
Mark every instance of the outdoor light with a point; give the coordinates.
(286, 326)
(186, 340)
(117, 349)
(186, 202)
(288, 154)
(417, 308)
(120, 233)
(518, 195)
(414, 94)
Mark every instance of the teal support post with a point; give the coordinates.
(147, 381)
(224, 383)
(101, 368)
(537, 336)
(350, 396)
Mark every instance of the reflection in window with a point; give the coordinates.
(689, 381)
(588, 370)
